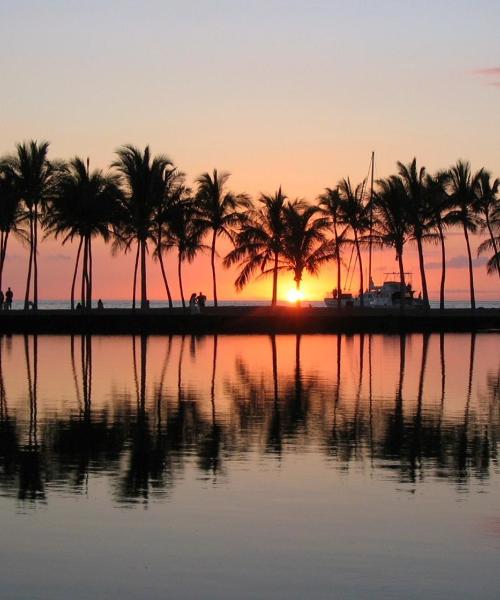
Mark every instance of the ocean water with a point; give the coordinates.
(65, 304)
(287, 467)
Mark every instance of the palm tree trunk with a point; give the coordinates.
(164, 275)
(275, 280)
(144, 291)
(3, 253)
(298, 279)
(84, 273)
(35, 261)
(179, 273)
(212, 262)
(402, 283)
(136, 264)
(337, 256)
(488, 225)
(423, 278)
(89, 276)
(75, 273)
(471, 270)
(30, 263)
(361, 283)
(339, 285)
(443, 267)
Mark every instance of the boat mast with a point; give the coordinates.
(371, 223)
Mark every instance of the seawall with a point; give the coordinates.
(247, 320)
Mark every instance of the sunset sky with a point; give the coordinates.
(277, 92)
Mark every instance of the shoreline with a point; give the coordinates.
(248, 320)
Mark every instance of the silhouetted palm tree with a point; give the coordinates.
(33, 176)
(260, 242)
(219, 212)
(184, 235)
(355, 214)
(10, 213)
(488, 206)
(463, 187)
(418, 217)
(330, 203)
(144, 178)
(305, 247)
(438, 202)
(174, 191)
(391, 221)
(85, 206)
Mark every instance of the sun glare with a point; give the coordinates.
(294, 295)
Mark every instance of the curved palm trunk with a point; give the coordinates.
(84, 286)
(3, 253)
(361, 283)
(212, 262)
(162, 268)
(298, 280)
(443, 267)
(165, 281)
(471, 270)
(136, 264)
(423, 278)
(30, 263)
(274, 300)
(73, 282)
(179, 273)
(144, 291)
(488, 225)
(402, 282)
(35, 260)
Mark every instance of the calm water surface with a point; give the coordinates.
(250, 466)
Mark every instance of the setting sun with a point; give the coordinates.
(295, 295)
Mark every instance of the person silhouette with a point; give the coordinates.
(9, 296)
(193, 304)
(201, 300)
(100, 304)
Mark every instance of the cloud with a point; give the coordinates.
(58, 256)
(458, 262)
(491, 72)
(488, 73)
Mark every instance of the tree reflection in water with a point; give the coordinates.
(143, 440)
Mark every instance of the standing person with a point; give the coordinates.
(2, 298)
(193, 304)
(100, 305)
(9, 296)
(201, 299)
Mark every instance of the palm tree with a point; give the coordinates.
(183, 235)
(488, 205)
(438, 202)
(354, 213)
(219, 212)
(463, 186)
(174, 191)
(9, 215)
(144, 179)
(391, 221)
(33, 176)
(260, 242)
(305, 246)
(419, 222)
(85, 206)
(330, 203)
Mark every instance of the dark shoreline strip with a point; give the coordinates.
(247, 320)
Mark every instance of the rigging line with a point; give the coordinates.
(353, 270)
(371, 221)
(349, 266)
